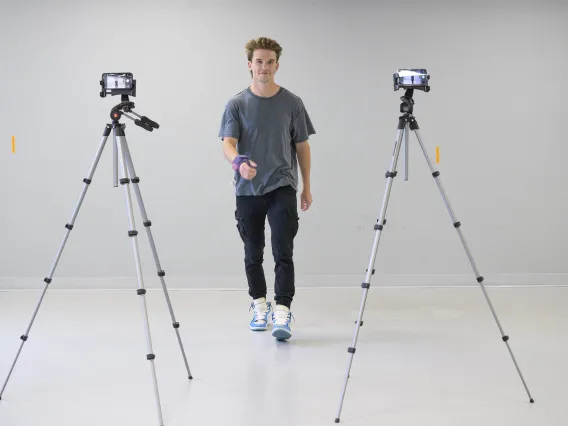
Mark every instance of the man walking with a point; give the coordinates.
(265, 130)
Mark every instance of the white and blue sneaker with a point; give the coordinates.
(281, 317)
(261, 310)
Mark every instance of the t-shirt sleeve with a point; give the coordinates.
(302, 126)
(230, 125)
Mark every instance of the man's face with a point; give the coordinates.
(263, 65)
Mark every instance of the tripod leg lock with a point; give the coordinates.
(351, 350)
(141, 291)
(148, 223)
(505, 338)
(457, 224)
(436, 174)
(136, 180)
(176, 324)
(70, 227)
(161, 273)
(372, 273)
(124, 181)
(150, 357)
(389, 174)
(24, 338)
(378, 227)
(480, 279)
(47, 280)
(365, 285)
(87, 181)
(132, 233)
(361, 323)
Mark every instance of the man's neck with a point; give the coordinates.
(264, 90)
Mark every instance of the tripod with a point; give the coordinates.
(128, 176)
(406, 123)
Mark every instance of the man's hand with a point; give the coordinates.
(248, 172)
(306, 199)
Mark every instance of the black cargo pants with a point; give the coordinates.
(281, 208)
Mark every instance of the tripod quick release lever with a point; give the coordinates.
(145, 126)
(126, 106)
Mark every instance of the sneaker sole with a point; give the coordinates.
(259, 328)
(281, 334)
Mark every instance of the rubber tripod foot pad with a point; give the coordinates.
(337, 420)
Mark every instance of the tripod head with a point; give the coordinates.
(126, 106)
(407, 104)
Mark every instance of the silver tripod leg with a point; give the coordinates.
(69, 227)
(406, 153)
(370, 271)
(132, 233)
(148, 224)
(457, 225)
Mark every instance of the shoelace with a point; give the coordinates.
(281, 317)
(260, 311)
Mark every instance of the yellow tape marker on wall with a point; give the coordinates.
(437, 154)
(13, 144)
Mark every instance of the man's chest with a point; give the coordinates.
(262, 116)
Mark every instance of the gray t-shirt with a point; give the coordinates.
(267, 129)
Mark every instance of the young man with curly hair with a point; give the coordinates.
(265, 130)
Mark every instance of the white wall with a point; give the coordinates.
(496, 110)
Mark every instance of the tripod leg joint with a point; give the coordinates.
(351, 350)
(148, 223)
(436, 174)
(361, 323)
(24, 338)
(47, 280)
(391, 175)
(480, 279)
(176, 325)
(457, 224)
(87, 181)
(141, 291)
(150, 357)
(414, 124)
(124, 181)
(132, 233)
(505, 338)
(68, 226)
(136, 180)
(161, 273)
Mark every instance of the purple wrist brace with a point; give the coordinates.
(240, 159)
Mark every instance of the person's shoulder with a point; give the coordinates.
(237, 98)
(293, 100)
(288, 94)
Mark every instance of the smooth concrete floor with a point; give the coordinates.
(425, 356)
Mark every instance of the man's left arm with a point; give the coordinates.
(304, 160)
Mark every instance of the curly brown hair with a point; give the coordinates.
(263, 43)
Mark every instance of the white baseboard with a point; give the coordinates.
(302, 281)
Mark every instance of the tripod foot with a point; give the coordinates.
(190, 377)
(532, 400)
(337, 420)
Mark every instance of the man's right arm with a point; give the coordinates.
(230, 148)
